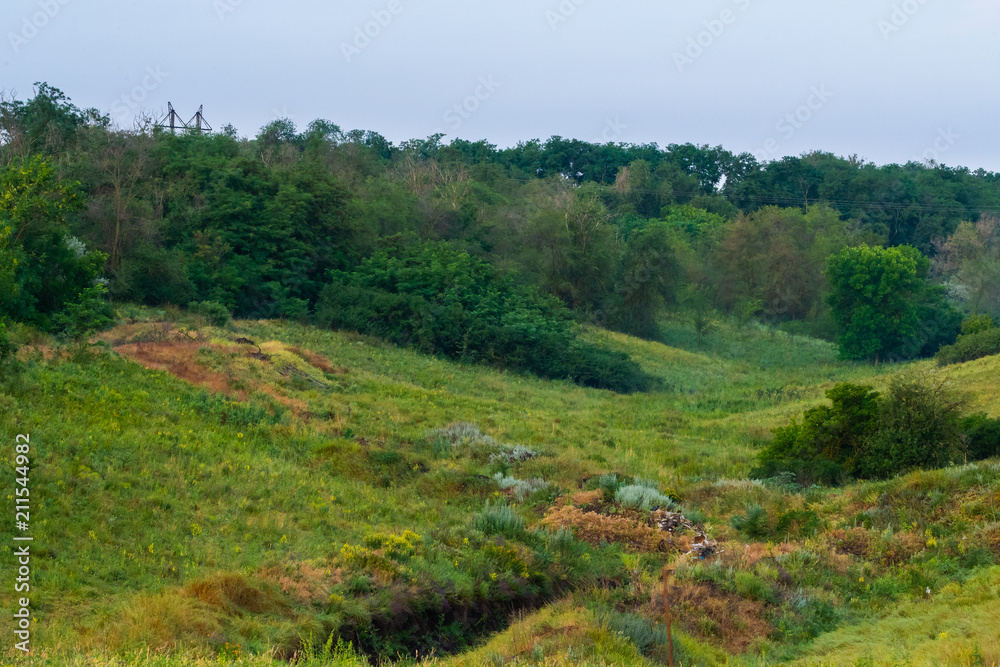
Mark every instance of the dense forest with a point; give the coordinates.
(481, 253)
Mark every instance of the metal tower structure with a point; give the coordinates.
(173, 122)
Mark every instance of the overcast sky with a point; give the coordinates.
(889, 80)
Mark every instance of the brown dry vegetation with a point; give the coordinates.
(232, 593)
(720, 617)
(308, 583)
(317, 360)
(595, 528)
(179, 359)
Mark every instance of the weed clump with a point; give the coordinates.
(499, 520)
(463, 436)
(521, 488)
(214, 312)
(642, 495)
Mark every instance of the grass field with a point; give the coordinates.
(198, 500)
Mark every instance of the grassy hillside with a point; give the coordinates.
(201, 498)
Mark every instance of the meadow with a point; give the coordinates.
(268, 491)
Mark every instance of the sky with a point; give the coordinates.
(886, 80)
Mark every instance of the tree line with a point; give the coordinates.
(569, 231)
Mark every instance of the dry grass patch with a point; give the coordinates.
(179, 359)
(233, 594)
(308, 583)
(317, 360)
(722, 618)
(594, 528)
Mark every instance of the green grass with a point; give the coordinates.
(169, 519)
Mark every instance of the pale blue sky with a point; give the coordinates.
(890, 80)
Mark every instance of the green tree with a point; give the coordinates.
(649, 279)
(43, 267)
(970, 258)
(875, 296)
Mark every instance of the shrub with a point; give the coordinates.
(828, 441)
(87, 314)
(982, 437)
(442, 301)
(977, 324)
(608, 484)
(513, 454)
(642, 497)
(752, 587)
(971, 347)
(918, 427)
(499, 520)
(755, 524)
(645, 635)
(519, 487)
(7, 347)
(213, 311)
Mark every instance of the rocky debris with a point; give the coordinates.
(258, 355)
(670, 521)
(703, 547)
(674, 522)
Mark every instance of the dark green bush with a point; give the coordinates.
(865, 435)
(971, 347)
(7, 350)
(442, 301)
(827, 442)
(981, 437)
(88, 313)
(755, 524)
(216, 313)
(918, 427)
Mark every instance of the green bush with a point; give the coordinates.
(7, 347)
(752, 587)
(918, 427)
(609, 484)
(981, 437)
(977, 324)
(499, 520)
(642, 497)
(216, 313)
(827, 442)
(85, 315)
(755, 524)
(645, 635)
(868, 436)
(971, 347)
(446, 302)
